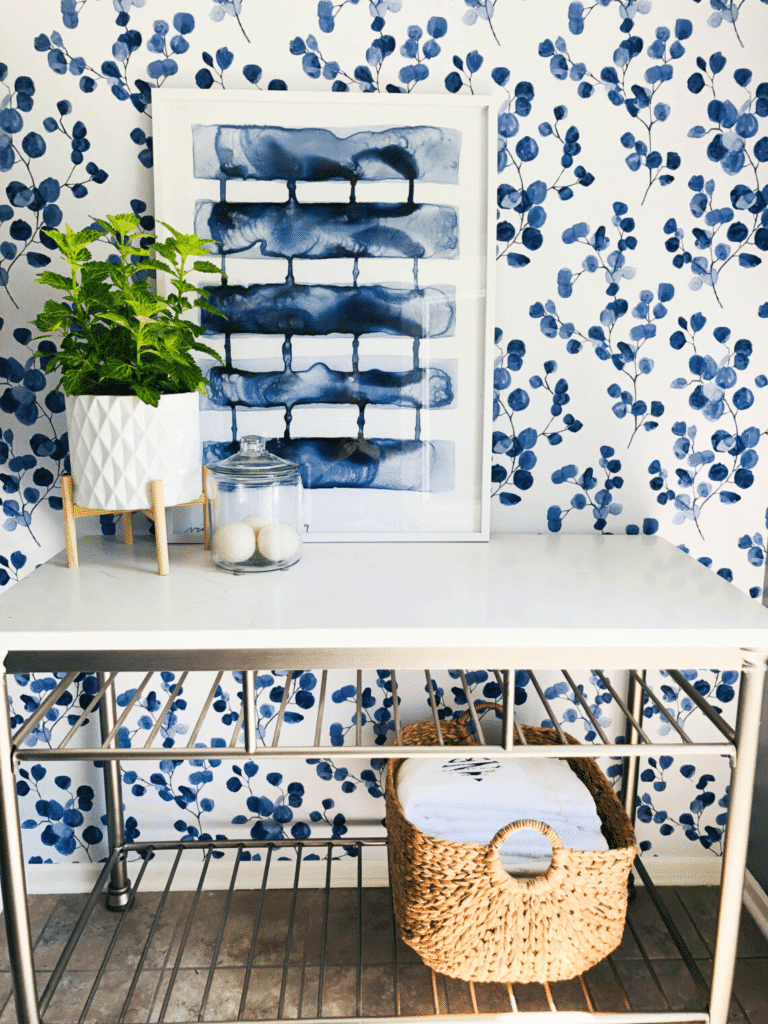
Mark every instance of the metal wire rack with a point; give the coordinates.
(244, 739)
(381, 977)
(306, 979)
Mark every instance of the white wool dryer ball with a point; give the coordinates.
(278, 542)
(235, 542)
(256, 521)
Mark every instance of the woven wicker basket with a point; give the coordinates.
(457, 907)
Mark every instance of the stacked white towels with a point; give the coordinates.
(468, 799)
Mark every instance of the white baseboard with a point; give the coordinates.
(682, 870)
(67, 878)
(756, 902)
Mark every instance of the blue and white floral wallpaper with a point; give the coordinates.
(630, 371)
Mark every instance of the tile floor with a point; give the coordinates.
(193, 967)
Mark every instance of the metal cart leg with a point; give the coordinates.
(12, 881)
(753, 677)
(119, 888)
(631, 771)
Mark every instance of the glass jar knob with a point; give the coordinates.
(252, 445)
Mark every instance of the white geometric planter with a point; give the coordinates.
(119, 444)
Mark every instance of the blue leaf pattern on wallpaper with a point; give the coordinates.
(527, 200)
(640, 100)
(629, 384)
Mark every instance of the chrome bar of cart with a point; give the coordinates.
(12, 880)
(119, 891)
(753, 678)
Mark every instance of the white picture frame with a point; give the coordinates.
(391, 227)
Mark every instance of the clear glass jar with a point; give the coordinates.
(255, 504)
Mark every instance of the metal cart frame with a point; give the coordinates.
(739, 744)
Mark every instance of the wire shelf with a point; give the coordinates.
(246, 736)
(315, 953)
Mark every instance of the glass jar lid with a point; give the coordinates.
(254, 463)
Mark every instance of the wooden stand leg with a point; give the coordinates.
(127, 527)
(73, 512)
(161, 537)
(70, 531)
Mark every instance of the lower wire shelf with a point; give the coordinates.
(286, 929)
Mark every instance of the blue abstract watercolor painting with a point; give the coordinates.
(291, 229)
(266, 153)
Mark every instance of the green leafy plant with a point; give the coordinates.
(118, 336)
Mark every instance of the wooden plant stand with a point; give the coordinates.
(156, 513)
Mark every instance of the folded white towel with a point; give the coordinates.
(468, 799)
(480, 784)
(467, 830)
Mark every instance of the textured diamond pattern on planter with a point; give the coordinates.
(118, 445)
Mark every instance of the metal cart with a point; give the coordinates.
(519, 602)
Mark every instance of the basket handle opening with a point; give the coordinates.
(493, 857)
(525, 823)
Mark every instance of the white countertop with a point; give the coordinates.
(515, 592)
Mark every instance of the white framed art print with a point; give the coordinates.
(355, 236)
